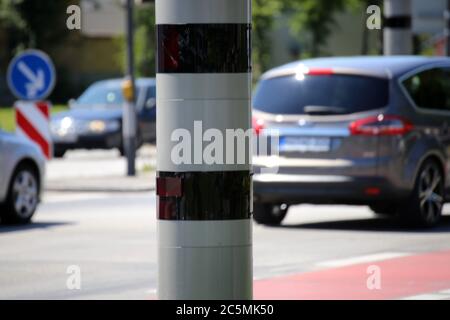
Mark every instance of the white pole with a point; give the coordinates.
(203, 89)
(397, 27)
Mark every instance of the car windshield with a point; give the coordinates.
(321, 94)
(103, 94)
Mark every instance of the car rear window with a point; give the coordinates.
(344, 94)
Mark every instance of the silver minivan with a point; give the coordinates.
(355, 130)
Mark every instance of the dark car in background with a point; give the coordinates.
(359, 130)
(94, 120)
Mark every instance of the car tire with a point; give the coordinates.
(424, 207)
(386, 209)
(23, 196)
(269, 214)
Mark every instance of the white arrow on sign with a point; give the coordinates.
(37, 81)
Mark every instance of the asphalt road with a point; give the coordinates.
(111, 237)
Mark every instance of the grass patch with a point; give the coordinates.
(8, 121)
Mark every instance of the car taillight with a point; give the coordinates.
(319, 71)
(258, 125)
(380, 125)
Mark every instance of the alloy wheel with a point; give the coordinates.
(25, 193)
(431, 195)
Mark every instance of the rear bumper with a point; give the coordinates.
(99, 141)
(324, 189)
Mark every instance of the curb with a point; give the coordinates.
(144, 183)
(97, 189)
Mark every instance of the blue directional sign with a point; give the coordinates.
(31, 75)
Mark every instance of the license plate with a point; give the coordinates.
(305, 144)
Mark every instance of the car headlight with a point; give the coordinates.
(100, 126)
(62, 127)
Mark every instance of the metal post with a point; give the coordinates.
(204, 205)
(447, 29)
(397, 27)
(129, 111)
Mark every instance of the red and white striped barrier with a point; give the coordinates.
(33, 123)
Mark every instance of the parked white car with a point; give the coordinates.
(22, 168)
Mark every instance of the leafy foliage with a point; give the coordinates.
(264, 15)
(144, 42)
(313, 17)
(145, 38)
(33, 23)
(316, 17)
(40, 23)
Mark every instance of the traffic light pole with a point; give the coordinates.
(397, 27)
(204, 207)
(129, 112)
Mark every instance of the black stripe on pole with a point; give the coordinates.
(204, 48)
(222, 195)
(397, 22)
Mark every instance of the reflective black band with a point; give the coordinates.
(397, 22)
(223, 195)
(204, 48)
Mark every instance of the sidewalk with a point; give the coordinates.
(100, 171)
(114, 183)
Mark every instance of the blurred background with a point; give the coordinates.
(283, 31)
(94, 217)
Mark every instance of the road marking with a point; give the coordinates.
(441, 295)
(362, 259)
(37, 81)
(445, 292)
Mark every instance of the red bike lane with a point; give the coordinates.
(399, 278)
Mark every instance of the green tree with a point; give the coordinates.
(312, 20)
(46, 21)
(264, 14)
(145, 38)
(33, 23)
(13, 27)
(316, 17)
(144, 42)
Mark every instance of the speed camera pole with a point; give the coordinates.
(397, 27)
(129, 111)
(203, 85)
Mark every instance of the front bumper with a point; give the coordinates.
(323, 189)
(108, 140)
